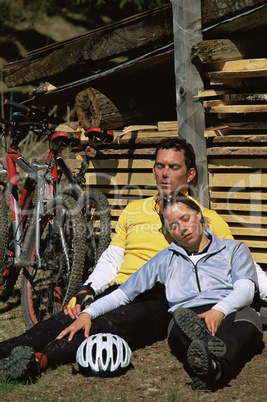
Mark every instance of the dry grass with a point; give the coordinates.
(156, 375)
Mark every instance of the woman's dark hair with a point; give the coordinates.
(179, 144)
(174, 197)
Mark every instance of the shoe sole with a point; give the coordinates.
(194, 328)
(199, 359)
(198, 384)
(17, 364)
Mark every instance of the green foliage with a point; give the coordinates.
(137, 5)
(12, 11)
(4, 12)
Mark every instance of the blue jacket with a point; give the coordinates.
(189, 285)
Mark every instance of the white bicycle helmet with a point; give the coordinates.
(103, 353)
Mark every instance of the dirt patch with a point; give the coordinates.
(156, 375)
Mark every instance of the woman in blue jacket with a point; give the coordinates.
(209, 282)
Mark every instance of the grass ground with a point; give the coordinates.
(155, 375)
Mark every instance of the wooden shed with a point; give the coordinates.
(141, 75)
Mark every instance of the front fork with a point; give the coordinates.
(40, 211)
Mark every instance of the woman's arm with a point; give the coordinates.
(241, 296)
(107, 303)
(82, 322)
(143, 279)
(99, 307)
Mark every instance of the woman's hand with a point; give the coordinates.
(82, 322)
(213, 319)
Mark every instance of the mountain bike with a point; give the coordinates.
(93, 205)
(46, 237)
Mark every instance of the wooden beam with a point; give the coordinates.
(239, 195)
(80, 56)
(138, 33)
(214, 11)
(221, 107)
(240, 126)
(190, 113)
(223, 50)
(236, 151)
(238, 180)
(244, 220)
(143, 71)
(261, 72)
(241, 207)
(247, 231)
(224, 19)
(244, 140)
(229, 164)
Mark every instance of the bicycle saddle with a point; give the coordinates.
(67, 139)
(96, 134)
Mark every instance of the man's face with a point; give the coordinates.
(170, 172)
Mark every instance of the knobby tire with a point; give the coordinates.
(46, 289)
(96, 211)
(8, 276)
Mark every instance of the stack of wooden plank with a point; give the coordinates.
(123, 170)
(236, 119)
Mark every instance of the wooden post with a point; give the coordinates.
(190, 113)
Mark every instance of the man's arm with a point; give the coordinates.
(104, 273)
(262, 278)
(106, 269)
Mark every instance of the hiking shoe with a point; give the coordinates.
(19, 364)
(194, 328)
(206, 371)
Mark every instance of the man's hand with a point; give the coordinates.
(213, 319)
(82, 322)
(78, 302)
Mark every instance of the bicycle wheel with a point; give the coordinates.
(7, 277)
(46, 288)
(96, 210)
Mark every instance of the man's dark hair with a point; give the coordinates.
(179, 144)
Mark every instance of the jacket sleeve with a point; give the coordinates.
(241, 296)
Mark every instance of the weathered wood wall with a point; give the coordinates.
(233, 67)
(235, 103)
(123, 170)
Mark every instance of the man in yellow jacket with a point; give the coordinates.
(139, 236)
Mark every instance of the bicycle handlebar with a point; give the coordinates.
(35, 125)
(28, 118)
(39, 122)
(17, 106)
(31, 113)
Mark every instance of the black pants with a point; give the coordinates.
(243, 340)
(140, 323)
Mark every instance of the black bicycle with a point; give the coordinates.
(51, 231)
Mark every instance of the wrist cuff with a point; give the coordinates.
(87, 287)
